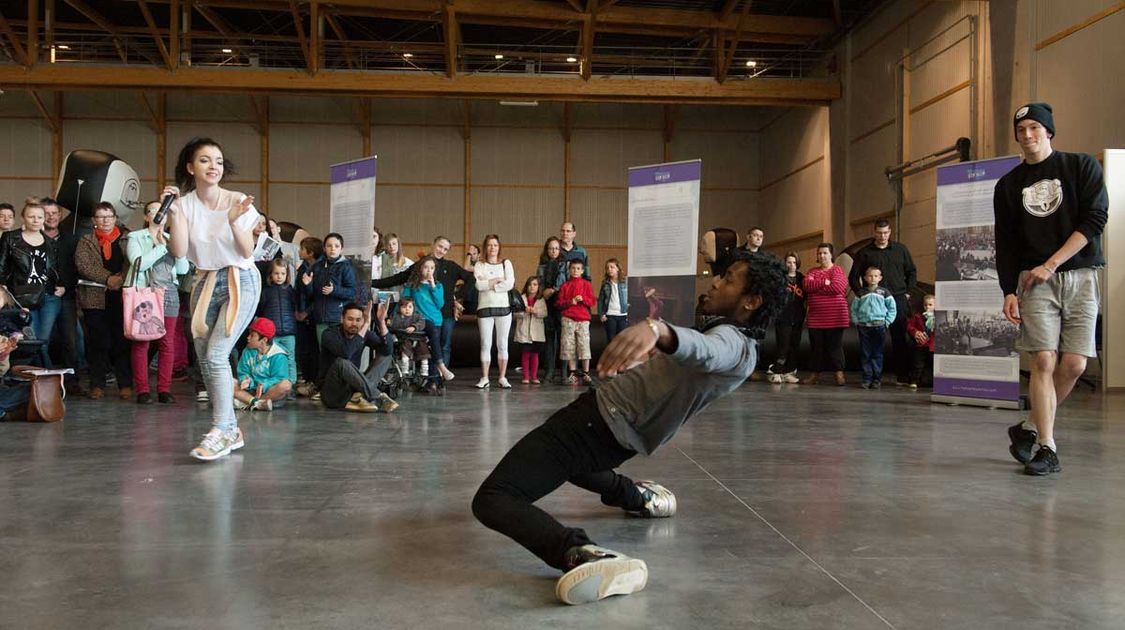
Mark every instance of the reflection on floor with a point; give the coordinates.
(800, 507)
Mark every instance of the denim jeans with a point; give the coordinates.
(213, 351)
(447, 324)
(43, 323)
(871, 340)
(289, 344)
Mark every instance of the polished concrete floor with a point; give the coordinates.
(800, 507)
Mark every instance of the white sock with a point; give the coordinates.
(425, 367)
(1028, 425)
(1049, 443)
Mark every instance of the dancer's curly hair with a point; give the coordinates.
(765, 277)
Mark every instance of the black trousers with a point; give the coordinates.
(922, 368)
(574, 445)
(614, 324)
(552, 329)
(901, 344)
(64, 341)
(106, 347)
(788, 342)
(308, 351)
(827, 349)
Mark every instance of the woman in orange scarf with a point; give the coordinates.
(100, 259)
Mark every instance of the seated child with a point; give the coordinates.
(263, 371)
(920, 328)
(407, 325)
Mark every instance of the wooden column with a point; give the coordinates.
(467, 135)
(567, 127)
(57, 138)
(264, 195)
(161, 142)
(32, 33)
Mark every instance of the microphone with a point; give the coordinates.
(165, 205)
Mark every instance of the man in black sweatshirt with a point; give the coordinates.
(447, 273)
(899, 277)
(1050, 213)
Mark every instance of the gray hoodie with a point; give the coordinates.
(647, 405)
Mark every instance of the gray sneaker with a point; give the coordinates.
(598, 573)
(217, 444)
(659, 501)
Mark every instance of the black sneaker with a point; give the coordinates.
(1045, 462)
(144, 398)
(1023, 441)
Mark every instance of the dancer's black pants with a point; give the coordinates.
(573, 445)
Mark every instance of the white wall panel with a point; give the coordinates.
(419, 154)
(1081, 77)
(935, 18)
(305, 109)
(616, 115)
(517, 156)
(416, 111)
(603, 158)
(417, 215)
(872, 86)
(889, 16)
(601, 216)
(132, 141)
(793, 141)
(518, 215)
(797, 204)
(114, 104)
(209, 107)
(19, 103)
(25, 149)
(240, 143)
(1052, 16)
(939, 125)
(546, 115)
(942, 73)
(867, 190)
(305, 152)
(737, 210)
(306, 205)
(730, 160)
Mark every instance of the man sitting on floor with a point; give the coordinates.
(263, 371)
(341, 383)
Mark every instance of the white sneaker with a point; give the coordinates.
(792, 377)
(240, 406)
(600, 573)
(504, 384)
(201, 396)
(446, 374)
(482, 383)
(774, 378)
(659, 501)
(217, 444)
(264, 405)
(424, 370)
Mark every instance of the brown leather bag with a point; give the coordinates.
(45, 402)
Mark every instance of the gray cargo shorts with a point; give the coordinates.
(1061, 313)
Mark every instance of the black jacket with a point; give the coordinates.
(328, 309)
(899, 273)
(26, 274)
(446, 272)
(279, 305)
(334, 344)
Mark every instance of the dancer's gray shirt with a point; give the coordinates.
(647, 405)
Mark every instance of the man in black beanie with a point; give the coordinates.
(1050, 213)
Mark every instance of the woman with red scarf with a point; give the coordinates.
(100, 258)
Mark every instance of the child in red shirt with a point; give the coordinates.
(575, 298)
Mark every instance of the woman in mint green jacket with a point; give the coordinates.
(152, 265)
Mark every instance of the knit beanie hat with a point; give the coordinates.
(263, 327)
(1039, 112)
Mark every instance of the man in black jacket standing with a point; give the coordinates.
(1050, 213)
(447, 273)
(900, 276)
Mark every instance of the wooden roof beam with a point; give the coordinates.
(302, 41)
(729, 57)
(341, 35)
(50, 118)
(588, 27)
(452, 35)
(18, 51)
(103, 23)
(168, 59)
(221, 25)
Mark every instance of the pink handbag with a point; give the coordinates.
(143, 309)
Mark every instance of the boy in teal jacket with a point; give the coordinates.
(873, 311)
(263, 371)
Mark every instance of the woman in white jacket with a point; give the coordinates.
(495, 277)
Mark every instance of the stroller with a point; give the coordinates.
(404, 376)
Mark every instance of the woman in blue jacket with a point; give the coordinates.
(332, 284)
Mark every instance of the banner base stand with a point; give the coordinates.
(976, 402)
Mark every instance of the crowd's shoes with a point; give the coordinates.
(483, 383)
(1045, 462)
(202, 396)
(166, 398)
(597, 573)
(386, 403)
(263, 404)
(305, 389)
(96, 393)
(504, 384)
(218, 443)
(446, 375)
(125, 393)
(240, 405)
(1022, 442)
(361, 406)
(659, 501)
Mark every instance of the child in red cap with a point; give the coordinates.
(263, 371)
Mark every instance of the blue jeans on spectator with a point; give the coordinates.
(213, 351)
(43, 323)
(447, 324)
(871, 341)
(13, 396)
(614, 324)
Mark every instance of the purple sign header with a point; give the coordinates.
(971, 388)
(981, 170)
(665, 173)
(363, 168)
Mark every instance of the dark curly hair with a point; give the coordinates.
(185, 180)
(765, 277)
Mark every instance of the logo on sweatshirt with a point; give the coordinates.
(1042, 198)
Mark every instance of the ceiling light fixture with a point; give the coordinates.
(407, 55)
(498, 56)
(63, 47)
(751, 64)
(571, 59)
(227, 51)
